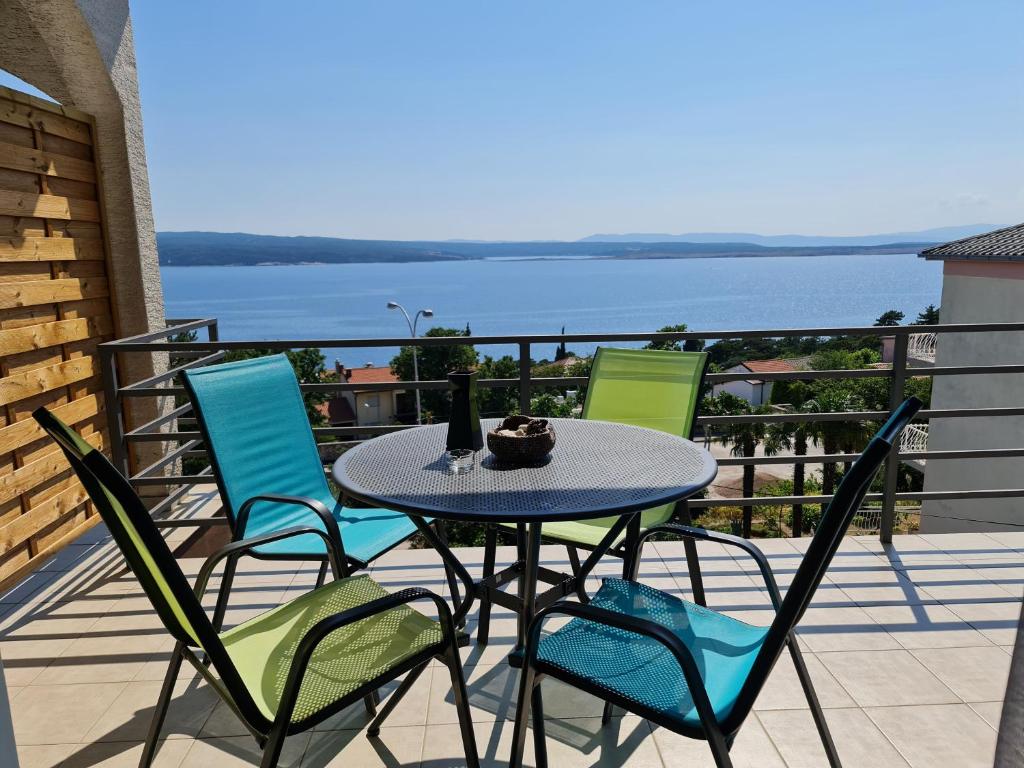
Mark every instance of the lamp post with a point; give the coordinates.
(411, 321)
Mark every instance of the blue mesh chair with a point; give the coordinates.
(270, 474)
(684, 666)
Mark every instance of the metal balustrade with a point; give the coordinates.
(179, 439)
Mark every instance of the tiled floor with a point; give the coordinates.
(909, 647)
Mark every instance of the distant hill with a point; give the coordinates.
(937, 235)
(230, 249)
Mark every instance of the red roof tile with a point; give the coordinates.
(379, 375)
(769, 366)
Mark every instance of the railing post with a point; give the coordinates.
(112, 407)
(524, 377)
(892, 465)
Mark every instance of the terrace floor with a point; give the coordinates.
(909, 647)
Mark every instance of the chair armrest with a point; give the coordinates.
(243, 545)
(644, 627)
(325, 627)
(314, 505)
(746, 545)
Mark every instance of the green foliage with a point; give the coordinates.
(890, 318)
(691, 345)
(928, 316)
(434, 364)
(498, 401)
(843, 359)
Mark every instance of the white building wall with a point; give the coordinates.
(977, 292)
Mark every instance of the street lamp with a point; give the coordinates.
(412, 330)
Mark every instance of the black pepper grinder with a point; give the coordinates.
(464, 426)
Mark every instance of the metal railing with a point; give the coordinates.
(922, 346)
(184, 441)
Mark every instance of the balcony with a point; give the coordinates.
(908, 644)
(909, 638)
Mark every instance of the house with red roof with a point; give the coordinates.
(365, 407)
(754, 390)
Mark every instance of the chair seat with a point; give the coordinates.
(366, 533)
(262, 648)
(589, 533)
(641, 669)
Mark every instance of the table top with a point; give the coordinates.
(597, 468)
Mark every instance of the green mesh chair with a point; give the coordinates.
(681, 665)
(653, 388)
(292, 667)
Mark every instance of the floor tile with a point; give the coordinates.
(973, 674)
(236, 751)
(60, 714)
(859, 743)
(123, 754)
(925, 626)
(401, 746)
(783, 689)
(129, 716)
(752, 749)
(930, 736)
(880, 678)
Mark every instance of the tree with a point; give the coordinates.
(560, 351)
(796, 436)
(434, 364)
(743, 439)
(928, 316)
(691, 345)
(836, 436)
(890, 318)
(498, 401)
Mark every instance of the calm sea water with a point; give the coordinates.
(509, 297)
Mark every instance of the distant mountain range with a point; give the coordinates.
(937, 235)
(235, 248)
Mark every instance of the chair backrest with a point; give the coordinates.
(834, 523)
(135, 534)
(148, 555)
(654, 388)
(257, 434)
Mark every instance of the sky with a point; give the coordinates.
(555, 120)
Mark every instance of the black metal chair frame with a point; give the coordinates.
(100, 478)
(781, 634)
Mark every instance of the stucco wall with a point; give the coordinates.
(982, 292)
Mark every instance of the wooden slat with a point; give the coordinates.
(27, 431)
(51, 334)
(32, 116)
(48, 206)
(46, 379)
(37, 472)
(34, 292)
(44, 513)
(11, 575)
(20, 249)
(36, 161)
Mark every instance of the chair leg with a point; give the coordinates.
(163, 702)
(607, 713)
(540, 749)
(227, 579)
(719, 748)
(454, 664)
(370, 702)
(812, 700)
(449, 572)
(527, 681)
(272, 749)
(394, 699)
(483, 627)
(321, 577)
(574, 563)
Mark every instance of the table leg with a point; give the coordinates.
(528, 585)
(453, 562)
(631, 560)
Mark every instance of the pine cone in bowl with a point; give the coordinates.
(521, 440)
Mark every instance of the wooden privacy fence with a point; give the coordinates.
(55, 307)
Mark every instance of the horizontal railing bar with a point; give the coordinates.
(171, 373)
(167, 458)
(133, 345)
(198, 522)
(774, 501)
(183, 327)
(172, 480)
(836, 458)
(152, 426)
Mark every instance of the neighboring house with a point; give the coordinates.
(754, 390)
(364, 408)
(982, 282)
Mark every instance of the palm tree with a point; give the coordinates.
(793, 436)
(744, 439)
(835, 436)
